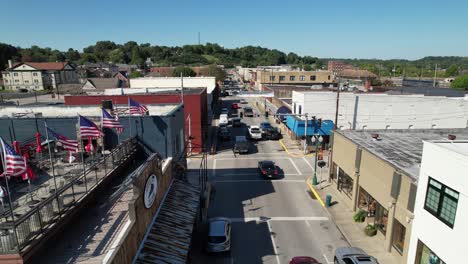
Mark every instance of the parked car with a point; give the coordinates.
(255, 132)
(353, 255)
(224, 134)
(272, 133)
(241, 145)
(303, 260)
(267, 168)
(234, 106)
(264, 126)
(224, 111)
(236, 122)
(219, 235)
(243, 101)
(248, 111)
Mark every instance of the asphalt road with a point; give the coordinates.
(273, 220)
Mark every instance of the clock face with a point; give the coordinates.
(151, 189)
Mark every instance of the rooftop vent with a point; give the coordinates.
(375, 136)
(452, 137)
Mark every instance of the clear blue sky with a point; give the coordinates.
(408, 29)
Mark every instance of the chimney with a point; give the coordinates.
(10, 64)
(452, 137)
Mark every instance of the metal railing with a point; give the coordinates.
(16, 235)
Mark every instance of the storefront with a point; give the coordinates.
(345, 183)
(375, 211)
(425, 255)
(398, 237)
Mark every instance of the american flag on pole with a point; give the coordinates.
(111, 122)
(136, 108)
(88, 128)
(68, 144)
(14, 163)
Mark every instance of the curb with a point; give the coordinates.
(294, 155)
(328, 212)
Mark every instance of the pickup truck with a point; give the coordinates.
(241, 145)
(255, 132)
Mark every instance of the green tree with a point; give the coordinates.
(135, 74)
(186, 72)
(307, 67)
(452, 71)
(72, 55)
(7, 52)
(214, 71)
(461, 82)
(117, 56)
(136, 56)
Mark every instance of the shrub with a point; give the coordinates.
(360, 216)
(370, 230)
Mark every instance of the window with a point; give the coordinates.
(272, 78)
(16, 81)
(34, 73)
(6, 81)
(36, 81)
(399, 232)
(302, 78)
(300, 109)
(441, 201)
(348, 261)
(282, 78)
(313, 77)
(292, 78)
(425, 255)
(381, 218)
(15, 74)
(26, 81)
(345, 183)
(328, 77)
(294, 108)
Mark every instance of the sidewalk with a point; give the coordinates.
(342, 215)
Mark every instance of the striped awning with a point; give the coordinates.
(169, 238)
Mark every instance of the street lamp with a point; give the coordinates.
(316, 140)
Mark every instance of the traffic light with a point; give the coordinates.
(319, 122)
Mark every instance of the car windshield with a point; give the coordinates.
(265, 125)
(248, 109)
(217, 239)
(255, 130)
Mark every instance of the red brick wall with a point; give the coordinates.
(194, 104)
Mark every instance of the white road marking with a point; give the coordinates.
(273, 181)
(310, 165)
(295, 166)
(273, 243)
(262, 153)
(326, 259)
(280, 218)
(214, 168)
(250, 158)
(253, 174)
(307, 223)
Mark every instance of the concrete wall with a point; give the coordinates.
(382, 111)
(141, 217)
(449, 168)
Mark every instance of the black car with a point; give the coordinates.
(236, 122)
(272, 133)
(267, 168)
(224, 134)
(248, 111)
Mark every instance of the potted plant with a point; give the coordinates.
(360, 216)
(370, 230)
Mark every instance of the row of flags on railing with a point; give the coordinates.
(15, 164)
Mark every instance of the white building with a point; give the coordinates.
(383, 111)
(38, 75)
(440, 224)
(171, 82)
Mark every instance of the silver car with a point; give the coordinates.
(353, 255)
(219, 235)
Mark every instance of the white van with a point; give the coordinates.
(223, 119)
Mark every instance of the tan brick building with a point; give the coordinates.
(294, 77)
(377, 171)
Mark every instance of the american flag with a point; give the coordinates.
(111, 122)
(88, 128)
(68, 144)
(136, 108)
(14, 164)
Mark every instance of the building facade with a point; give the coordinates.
(293, 77)
(439, 228)
(383, 111)
(35, 76)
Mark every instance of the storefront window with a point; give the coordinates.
(381, 218)
(345, 183)
(424, 255)
(399, 232)
(333, 172)
(366, 202)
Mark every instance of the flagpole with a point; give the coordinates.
(129, 117)
(102, 133)
(6, 182)
(50, 156)
(82, 152)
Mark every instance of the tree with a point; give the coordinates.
(136, 56)
(214, 71)
(186, 72)
(117, 56)
(307, 67)
(461, 82)
(72, 55)
(452, 71)
(7, 52)
(135, 74)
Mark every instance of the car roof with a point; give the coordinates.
(342, 251)
(265, 123)
(254, 127)
(217, 227)
(267, 162)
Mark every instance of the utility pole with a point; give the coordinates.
(435, 76)
(305, 134)
(337, 70)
